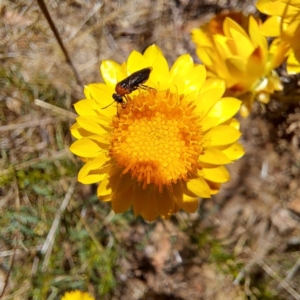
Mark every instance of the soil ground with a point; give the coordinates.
(57, 236)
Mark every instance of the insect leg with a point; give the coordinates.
(146, 87)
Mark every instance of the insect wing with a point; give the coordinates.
(135, 79)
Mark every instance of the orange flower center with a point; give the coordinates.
(157, 138)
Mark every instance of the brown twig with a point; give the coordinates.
(45, 11)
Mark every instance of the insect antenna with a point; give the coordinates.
(108, 105)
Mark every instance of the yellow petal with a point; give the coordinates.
(77, 295)
(257, 39)
(201, 39)
(206, 56)
(287, 9)
(234, 151)
(151, 204)
(98, 119)
(222, 46)
(222, 135)
(94, 170)
(214, 156)
(89, 107)
(219, 174)
(244, 111)
(189, 204)
(194, 79)
(292, 32)
(186, 202)
(103, 190)
(208, 123)
(90, 125)
(85, 148)
(293, 64)
(271, 27)
(279, 51)
(102, 94)
(75, 132)
(233, 123)
(143, 204)
(97, 91)
(230, 26)
(165, 204)
(160, 73)
(154, 55)
(256, 64)
(243, 44)
(103, 140)
(213, 89)
(122, 200)
(109, 70)
(214, 187)
(199, 187)
(85, 107)
(136, 62)
(225, 109)
(181, 67)
(236, 67)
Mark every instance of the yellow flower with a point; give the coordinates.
(283, 23)
(166, 146)
(232, 48)
(77, 295)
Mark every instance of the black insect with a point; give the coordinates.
(130, 84)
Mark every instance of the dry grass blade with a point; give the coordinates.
(55, 109)
(48, 245)
(283, 284)
(32, 123)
